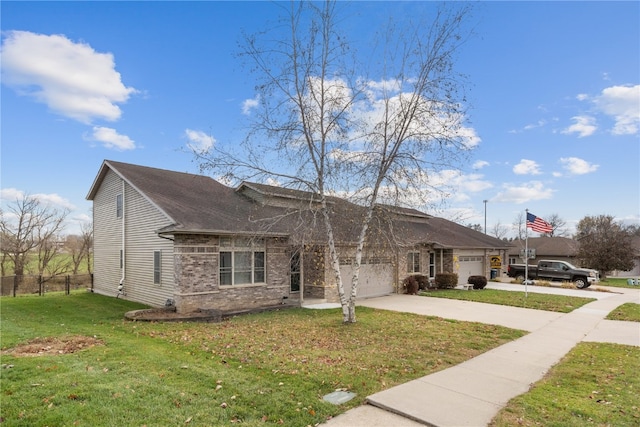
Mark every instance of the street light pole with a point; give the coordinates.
(485, 216)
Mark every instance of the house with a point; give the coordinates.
(566, 249)
(560, 248)
(164, 237)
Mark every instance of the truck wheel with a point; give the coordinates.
(520, 278)
(581, 282)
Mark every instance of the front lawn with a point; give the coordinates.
(594, 385)
(254, 370)
(629, 311)
(618, 282)
(537, 301)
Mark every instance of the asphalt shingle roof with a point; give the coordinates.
(200, 204)
(549, 246)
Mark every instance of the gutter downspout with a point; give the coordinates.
(123, 247)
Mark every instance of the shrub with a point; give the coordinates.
(446, 280)
(410, 285)
(424, 282)
(478, 282)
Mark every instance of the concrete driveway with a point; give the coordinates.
(473, 392)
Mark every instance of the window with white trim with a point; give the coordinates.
(413, 262)
(242, 261)
(432, 264)
(157, 267)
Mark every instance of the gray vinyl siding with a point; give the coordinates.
(142, 219)
(107, 236)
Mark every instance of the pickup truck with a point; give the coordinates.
(553, 270)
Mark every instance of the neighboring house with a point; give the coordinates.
(169, 237)
(560, 248)
(565, 249)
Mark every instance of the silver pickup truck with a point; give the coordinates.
(554, 270)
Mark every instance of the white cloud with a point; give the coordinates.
(457, 184)
(10, 195)
(623, 105)
(83, 218)
(470, 137)
(250, 104)
(527, 167)
(480, 164)
(583, 126)
(534, 190)
(72, 79)
(199, 141)
(54, 199)
(577, 166)
(383, 86)
(538, 124)
(385, 101)
(111, 139)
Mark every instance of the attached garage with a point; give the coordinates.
(470, 265)
(376, 277)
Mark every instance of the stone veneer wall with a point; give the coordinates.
(314, 272)
(197, 280)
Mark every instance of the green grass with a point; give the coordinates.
(629, 312)
(263, 369)
(32, 265)
(617, 282)
(537, 301)
(594, 385)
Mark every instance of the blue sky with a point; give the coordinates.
(554, 98)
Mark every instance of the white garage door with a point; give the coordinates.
(376, 278)
(470, 266)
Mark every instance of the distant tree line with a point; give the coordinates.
(32, 241)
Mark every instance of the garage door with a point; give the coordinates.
(470, 266)
(376, 277)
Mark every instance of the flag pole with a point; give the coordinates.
(526, 252)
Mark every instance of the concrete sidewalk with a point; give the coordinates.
(472, 393)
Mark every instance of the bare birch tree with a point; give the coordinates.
(372, 134)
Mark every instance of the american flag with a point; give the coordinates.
(538, 224)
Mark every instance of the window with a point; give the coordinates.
(242, 261)
(119, 206)
(413, 262)
(157, 263)
(432, 264)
